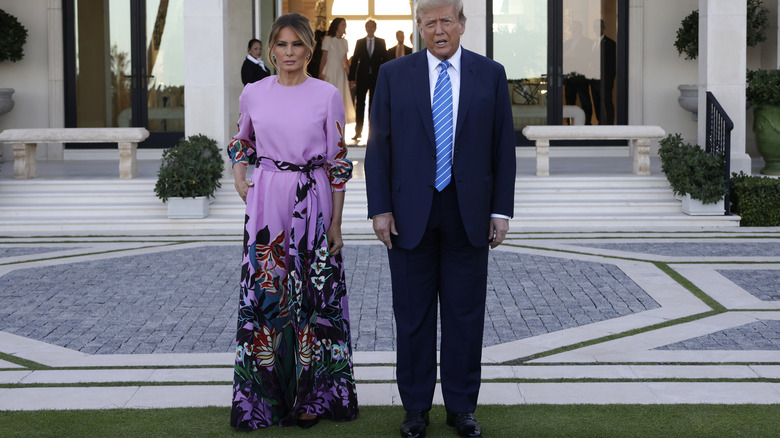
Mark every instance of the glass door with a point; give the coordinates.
(566, 60)
(125, 66)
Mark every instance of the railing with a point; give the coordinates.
(719, 127)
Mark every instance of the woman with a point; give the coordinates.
(293, 352)
(253, 68)
(334, 65)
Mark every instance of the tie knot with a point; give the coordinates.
(444, 66)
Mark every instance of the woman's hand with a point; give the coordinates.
(242, 187)
(335, 243)
(242, 184)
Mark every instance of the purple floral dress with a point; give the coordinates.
(293, 351)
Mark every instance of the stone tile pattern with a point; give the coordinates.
(16, 251)
(183, 301)
(527, 296)
(761, 283)
(699, 249)
(759, 335)
(168, 302)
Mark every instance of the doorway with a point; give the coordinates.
(124, 66)
(566, 60)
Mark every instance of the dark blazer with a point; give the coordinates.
(363, 66)
(401, 153)
(608, 59)
(391, 51)
(251, 72)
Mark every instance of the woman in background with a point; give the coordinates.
(334, 65)
(253, 68)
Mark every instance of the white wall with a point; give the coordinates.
(663, 69)
(30, 76)
(240, 32)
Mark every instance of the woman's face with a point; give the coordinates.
(290, 51)
(256, 50)
(342, 29)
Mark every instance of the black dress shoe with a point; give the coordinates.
(356, 138)
(414, 424)
(307, 423)
(465, 423)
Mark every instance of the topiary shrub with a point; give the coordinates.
(13, 35)
(190, 169)
(687, 41)
(756, 200)
(690, 169)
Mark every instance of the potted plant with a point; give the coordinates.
(687, 43)
(13, 35)
(189, 174)
(763, 95)
(698, 176)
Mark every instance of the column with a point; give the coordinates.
(206, 69)
(722, 64)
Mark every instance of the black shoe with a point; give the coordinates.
(465, 423)
(305, 424)
(414, 424)
(356, 138)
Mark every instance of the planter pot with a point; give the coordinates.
(689, 99)
(766, 126)
(6, 101)
(188, 208)
(694, 207)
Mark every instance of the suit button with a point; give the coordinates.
(430, 186)
(433, 156)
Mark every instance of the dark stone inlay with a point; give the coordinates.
(763, 284)
(759, 335)
(16, 251)
(694, 249)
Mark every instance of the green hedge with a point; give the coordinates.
(756, 199)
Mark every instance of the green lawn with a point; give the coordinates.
(596, 421)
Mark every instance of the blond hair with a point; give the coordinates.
(298, 24)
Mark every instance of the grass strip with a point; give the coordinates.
(692, 288)
(584, 421)
(27, 364)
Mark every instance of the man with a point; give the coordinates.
(604, 56)
(399, 49)
(370, 53)
(576, 65)
(438, 221)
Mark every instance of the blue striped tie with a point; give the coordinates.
(442, 126)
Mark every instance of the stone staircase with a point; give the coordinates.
(50, 206)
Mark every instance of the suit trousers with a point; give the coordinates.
(444, 269)
(363, 86)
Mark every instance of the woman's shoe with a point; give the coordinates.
(307, 423)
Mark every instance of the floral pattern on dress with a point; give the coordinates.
(293, 343)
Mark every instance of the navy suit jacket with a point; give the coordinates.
(401, 152)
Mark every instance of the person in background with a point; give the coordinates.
(370, 53)
(399, 49)
(314, 65)
(293, 362)
(253, 69)
(440, 182)
(334, 65)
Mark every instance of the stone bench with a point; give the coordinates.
(639, 135)
(25, 143)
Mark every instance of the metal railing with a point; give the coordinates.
(718, 133)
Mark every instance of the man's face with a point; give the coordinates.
(441, 31)
(370, 28)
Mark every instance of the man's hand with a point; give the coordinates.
(384, 225)
(498, 229)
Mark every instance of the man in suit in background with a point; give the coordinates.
(370, 53)
(440, 174)
(604, 58)
(399, 49)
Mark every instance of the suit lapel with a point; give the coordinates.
(467, 81)
(422, 92)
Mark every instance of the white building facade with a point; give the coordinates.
(172, 66)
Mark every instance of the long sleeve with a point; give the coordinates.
(339, 167)
(242, 146)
